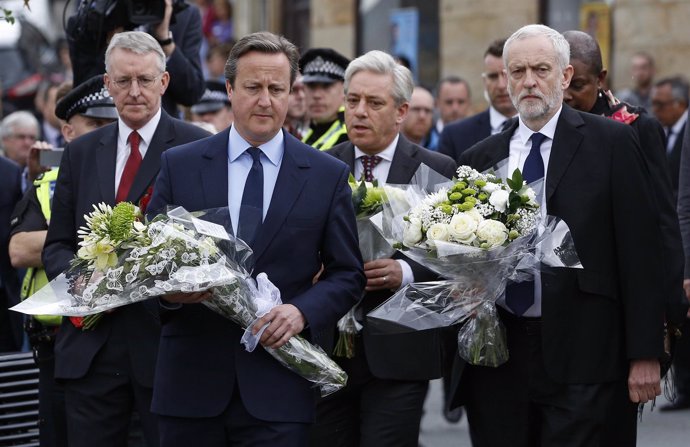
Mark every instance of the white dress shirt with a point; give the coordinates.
(123, 148)
(496, 120)
(520, 146)
(380, 173)
(239, 165)
(675, 132)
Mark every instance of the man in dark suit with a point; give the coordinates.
(388, 375)
(461, 135)
(670, 106)
(292, 205)
(108, 371)
(573, 334)
(11, 333)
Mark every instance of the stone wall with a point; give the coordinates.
(333, 25)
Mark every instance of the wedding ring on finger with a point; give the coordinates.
(385, 279)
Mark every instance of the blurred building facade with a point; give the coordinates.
(443, 37)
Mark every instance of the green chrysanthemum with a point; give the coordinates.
(122, 221)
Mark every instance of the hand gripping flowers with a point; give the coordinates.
(123, 261)
(478, 232)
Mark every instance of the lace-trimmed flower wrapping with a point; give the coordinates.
(479, 233)
(173, 253)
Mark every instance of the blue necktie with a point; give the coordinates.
(520, 296)
(252, 209)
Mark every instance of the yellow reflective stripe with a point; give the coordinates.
(326, 141)
(43, 191)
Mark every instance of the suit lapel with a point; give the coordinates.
(105, 163)
(404, 165)
(346, 154)
(214, 173)
(291, 180)
(163, 138)
(567, 140)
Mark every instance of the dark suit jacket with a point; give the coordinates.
(596, 319)
(673, 159)
(310, 223)
(87, 177)
(413, 356)
(10, 194)
(459, 136)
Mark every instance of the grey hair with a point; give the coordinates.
(679, 87)
(383, 63)
(17, 119)
(560, 45)
(262, 42)
(137, 42)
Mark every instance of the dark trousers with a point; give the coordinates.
(51, 399)
(234, 427)
(369, 412)
(519, 405)
(100, 404)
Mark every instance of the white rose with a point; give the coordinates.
(499, 199)
(490, 187)
(493, 232)
(413, 232)
(475, 214)
(437, 232)
(462, 226)
(531, 196)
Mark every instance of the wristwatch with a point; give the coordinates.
(165, 42)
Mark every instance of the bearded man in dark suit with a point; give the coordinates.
(573, 335)
(388, 375)
(108, 371)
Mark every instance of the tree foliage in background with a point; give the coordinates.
(7, 14)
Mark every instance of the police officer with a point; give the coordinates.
(214, 107)
(323, 71)
(83, 109)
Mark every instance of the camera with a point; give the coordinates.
(94, 19)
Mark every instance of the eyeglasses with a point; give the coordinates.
(24, 136)
(662, 104)
(421, 110)
(142, 82)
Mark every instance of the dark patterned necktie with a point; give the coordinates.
(520, 296)
(252, 209)
(131, 167)
(369, 162)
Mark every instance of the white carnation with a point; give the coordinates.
(499, 199)
(492, 232)
(462, 226)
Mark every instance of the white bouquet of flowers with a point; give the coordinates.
(479, 232)
(122, 261)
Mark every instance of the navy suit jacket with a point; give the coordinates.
(457, 137)
(310, 222)
(10, 194)
(673, 159)
(87, 177)
(415, 355)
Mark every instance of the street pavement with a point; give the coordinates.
(656, 429)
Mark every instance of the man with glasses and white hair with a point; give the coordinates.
(574, 335)
(18, 132)
(108, 371)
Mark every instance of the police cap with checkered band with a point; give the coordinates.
(323, 65)
(90, 99)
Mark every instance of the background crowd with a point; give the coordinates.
(55, 93)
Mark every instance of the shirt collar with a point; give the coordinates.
(680, 123)
(496, 118)
(387, 154)
(549, 129)
(145, 133)
(272, 149)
